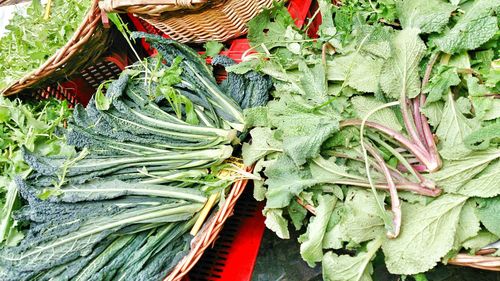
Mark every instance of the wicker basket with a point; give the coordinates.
(88, 43)
(220, 20)
(477, 261)
(150, 7)
(209, 233)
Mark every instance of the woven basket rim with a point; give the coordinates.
(151, 7)
(225, 20)
(80, 37)
(210, 231)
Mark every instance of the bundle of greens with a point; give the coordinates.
(34, 128)
(149, 166)
(34, 36)
(384, 128)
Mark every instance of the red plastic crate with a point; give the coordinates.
(81, 87)
(299, 10)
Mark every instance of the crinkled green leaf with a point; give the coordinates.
(477, 242)
(434, 112)
(275, 222)
(350, 268)
(358, 71)
(468, 223)
(297, 213)
(374, 39)
(363, 105)
(302, 130)
(334, 237)
(400, 73)
(489, 214)
(432, 227)
(259, 191)
(285, 180)
(256, 116)
(213, 48)
(275, 30)
(326, 170)
(453, 128)
(313, 81)
(441, 82)
(311, 248)
(475, 88)
(243, 67)
(363, 221)
(303, 147)
(455, 174)
(263, 143)
(483, 138)
(427, 15)
(486, 108)
(327, 29)
(473, 28)
(485, 184)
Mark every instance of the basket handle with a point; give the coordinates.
(141, 6)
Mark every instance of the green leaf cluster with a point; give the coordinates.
(147, 153)
(382, 133)
(31, 38)
(31, 126)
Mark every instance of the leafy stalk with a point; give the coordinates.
(380, 206)
(421, 154)
(395, 203)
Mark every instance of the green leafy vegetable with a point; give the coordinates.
(400, 76)
(488, 214)
(213, 48)
(475, 27)
(311, 248)
(428, 16)
(33, 127)
(405, 255)
(394, 106)
(31, 39)
(347, 268)
(146, 165)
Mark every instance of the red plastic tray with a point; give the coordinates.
(82, 86)
(234, 254)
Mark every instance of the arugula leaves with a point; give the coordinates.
(31, 39)
(25, 126)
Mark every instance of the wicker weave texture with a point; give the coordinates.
(150, 7)
(221, 22)
(87, 44)
(209, 233)
(477, 261)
